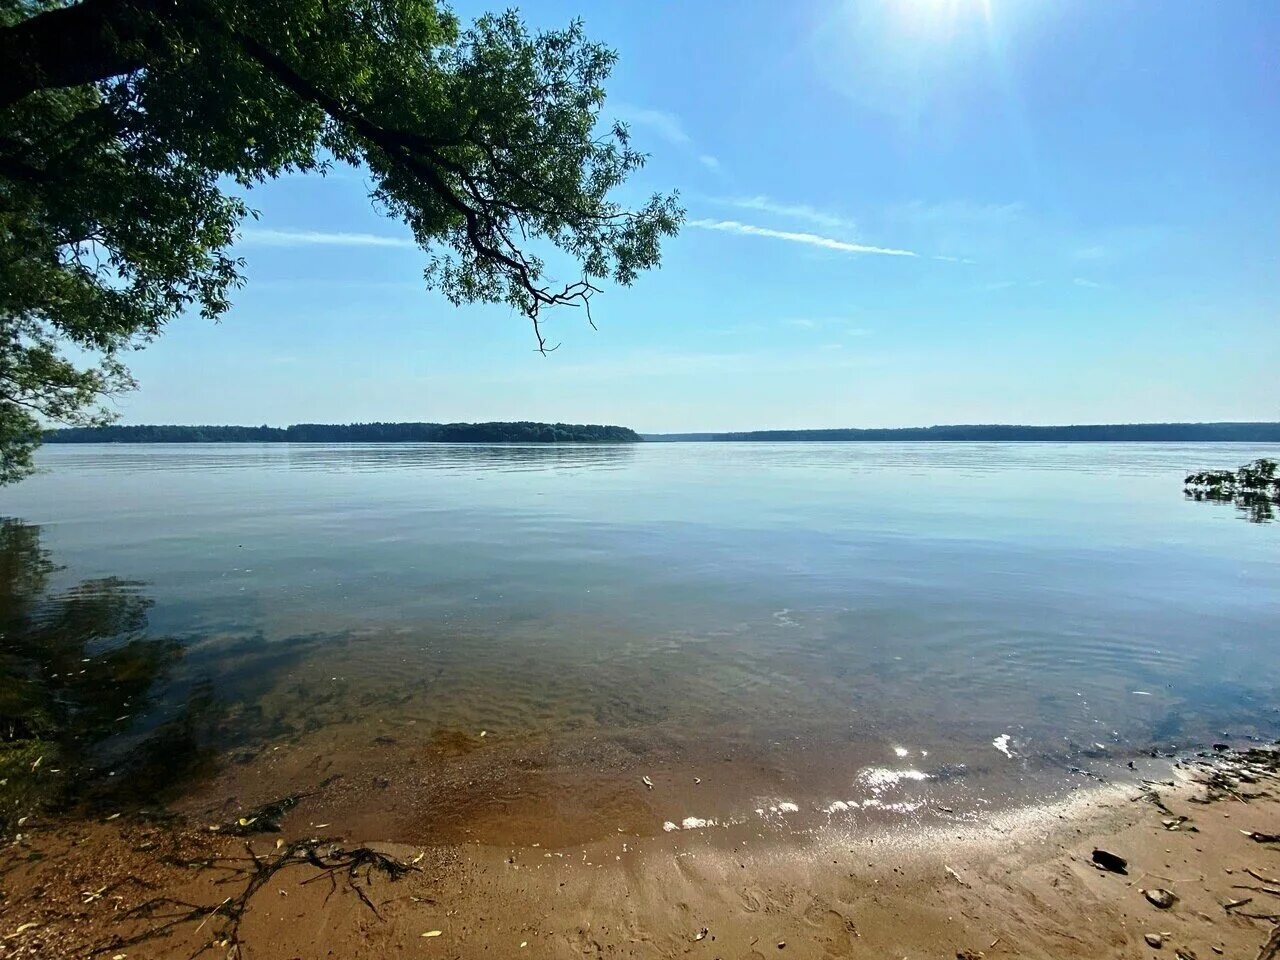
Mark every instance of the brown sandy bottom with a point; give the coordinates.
(451, 786)
(1019, 883)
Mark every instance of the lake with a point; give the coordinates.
(502, 641)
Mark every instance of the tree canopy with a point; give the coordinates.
(130, 128)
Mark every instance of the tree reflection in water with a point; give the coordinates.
(77, 674)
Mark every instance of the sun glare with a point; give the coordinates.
(934, 15)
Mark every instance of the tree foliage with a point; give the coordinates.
(1254, 488)
(129, 129)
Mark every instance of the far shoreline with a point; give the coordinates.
(537, 432)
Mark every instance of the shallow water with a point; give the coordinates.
(829, 617)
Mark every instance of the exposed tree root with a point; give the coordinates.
(352, 868)
(1271, 949)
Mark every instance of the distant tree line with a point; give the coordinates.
(1134, 432)
(523, 431)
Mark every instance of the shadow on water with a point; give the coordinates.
(466, 458)
(75, 668)
(454, 457)
(94, 710)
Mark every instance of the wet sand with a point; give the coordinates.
(1017, 882)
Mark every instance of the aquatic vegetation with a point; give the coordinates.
(1254, 488)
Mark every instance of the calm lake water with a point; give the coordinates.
(1013, 610)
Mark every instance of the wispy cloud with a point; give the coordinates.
(1096, 252)
(666, 365)
(959, 212)
(961, 230)
(1083, 282)
(790, 236)
(665, 125)
(304, 238)
(796, 211)
(831, 324)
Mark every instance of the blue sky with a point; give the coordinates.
(900, 212)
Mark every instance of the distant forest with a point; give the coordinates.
(519, 432)
(529, 432)
(1167, 432)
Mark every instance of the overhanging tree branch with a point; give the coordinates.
(420, 156)
(121, 122)
(91, 41)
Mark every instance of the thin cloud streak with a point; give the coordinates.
(798, 211)
(833, 324)
(810, 239)
(664, 124)
(668, 127)
(304, 238)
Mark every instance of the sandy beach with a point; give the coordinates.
(1019, 883)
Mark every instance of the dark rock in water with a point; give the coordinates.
(1110, 861)
(1164, 899)
(1221, 746)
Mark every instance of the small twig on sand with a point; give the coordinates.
(1274, 891)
